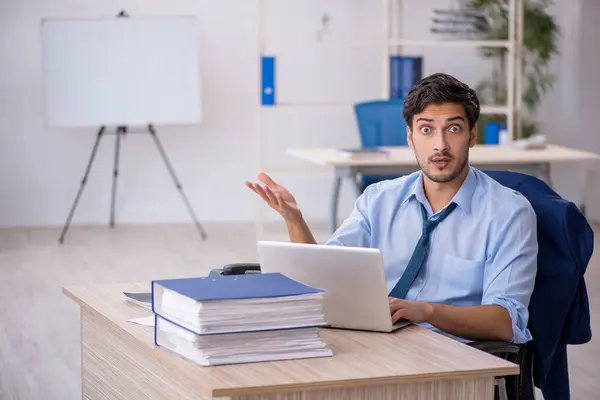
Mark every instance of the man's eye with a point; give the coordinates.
(425, 129)
(454, 129)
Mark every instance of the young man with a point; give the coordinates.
(471, 273)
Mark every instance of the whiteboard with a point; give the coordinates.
(121, 71)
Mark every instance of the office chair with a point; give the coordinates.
(559, 309)
(380, 123)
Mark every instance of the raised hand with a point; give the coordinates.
(277, 197)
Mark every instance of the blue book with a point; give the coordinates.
(405, 71)
(237, 303)
(231, 287)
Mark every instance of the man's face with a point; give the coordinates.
(441, 140)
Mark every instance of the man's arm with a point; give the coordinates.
(488, 322)
(355, 231)
(511, 269)
(299, 231)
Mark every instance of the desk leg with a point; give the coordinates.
(466, 389)
(339, 174)
(545, 173)
(335, 199)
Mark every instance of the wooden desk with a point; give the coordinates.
(120, 361)
(401, 161)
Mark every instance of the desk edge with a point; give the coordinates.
(343, 384)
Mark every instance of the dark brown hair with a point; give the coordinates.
(441, 88)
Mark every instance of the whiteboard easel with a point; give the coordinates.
(122, 72)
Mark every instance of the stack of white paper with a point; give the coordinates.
(240, 347)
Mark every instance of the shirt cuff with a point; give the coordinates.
(519, 316)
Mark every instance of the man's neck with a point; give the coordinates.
(440, 194)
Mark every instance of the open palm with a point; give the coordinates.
(277, 197)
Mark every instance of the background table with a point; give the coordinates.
(120, 361)
(401, 160)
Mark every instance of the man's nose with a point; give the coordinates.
(441, 142)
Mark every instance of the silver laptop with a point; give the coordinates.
(353, 279)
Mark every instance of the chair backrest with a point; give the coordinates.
(559, 308)
(380, 123)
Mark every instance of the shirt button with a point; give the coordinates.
(420, 280)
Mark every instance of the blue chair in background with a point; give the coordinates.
(380, 123)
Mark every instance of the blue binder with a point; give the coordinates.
(268, 80)
(230, 287)
(405, 71)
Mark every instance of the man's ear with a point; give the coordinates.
(409, 138)
(473, 136)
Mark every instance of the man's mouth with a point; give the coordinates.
(441, 162)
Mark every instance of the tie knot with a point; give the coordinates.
(430, 224)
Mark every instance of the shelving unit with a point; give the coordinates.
(513, 45)
(391, 43)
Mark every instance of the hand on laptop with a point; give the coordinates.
(414, 311)
(277, 197)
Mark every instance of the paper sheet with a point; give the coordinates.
(146, 321)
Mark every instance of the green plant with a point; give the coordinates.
(540, 33)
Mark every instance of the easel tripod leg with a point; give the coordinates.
(120, 131)
(177, 184)
(83, 182)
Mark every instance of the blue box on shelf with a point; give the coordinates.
(493, 132)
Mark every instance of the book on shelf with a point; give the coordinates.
(232, 319)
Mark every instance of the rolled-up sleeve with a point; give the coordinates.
(511, 269)
(355, 231)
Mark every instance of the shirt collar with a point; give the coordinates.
(462, 198)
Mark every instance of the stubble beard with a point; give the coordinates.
(444, 178)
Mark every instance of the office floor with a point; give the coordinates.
(39, 327)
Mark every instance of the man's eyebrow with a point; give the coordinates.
(425, 119)
(458, 117)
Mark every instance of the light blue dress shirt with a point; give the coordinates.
(484, 252)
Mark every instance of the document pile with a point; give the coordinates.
(231, 319)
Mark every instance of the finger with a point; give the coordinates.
(270, 195)
(252, 186)
(280, 201)
(395, 300)
(266, 179)
(283, 206)
(260, 191)
(398, 315)
(396, 306)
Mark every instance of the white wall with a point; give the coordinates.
(583, 128)
(568, 113)
(41, 168)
